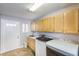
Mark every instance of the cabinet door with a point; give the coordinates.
(48, 25)
(51, 24)
(45, 25)
(71, 21)
(59, 23)
(33, 26)
(31, 43)
(36, 26)
(40, 25)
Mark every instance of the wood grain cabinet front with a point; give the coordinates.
(66, 22)
(71, 21)
(59, 23)
(51, 24)
(33, 26)
(45, 25)
(31, 44)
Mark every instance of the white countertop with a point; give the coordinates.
(68, 47)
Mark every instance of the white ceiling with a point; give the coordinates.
(21, 9)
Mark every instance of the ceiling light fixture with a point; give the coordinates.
(35, 6)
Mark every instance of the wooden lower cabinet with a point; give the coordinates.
(31, 43)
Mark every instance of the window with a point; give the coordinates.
(24, 27)
(10, 24)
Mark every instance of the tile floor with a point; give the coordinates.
(19, 52)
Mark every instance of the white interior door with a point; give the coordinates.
(10, 35)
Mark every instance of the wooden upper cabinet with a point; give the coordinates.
(40, 25)
(51, 24)
(59, 22)
(45, 25)
(33, 26)
(67, 22)
(48, 24)
(71, 21)
(37, 26)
